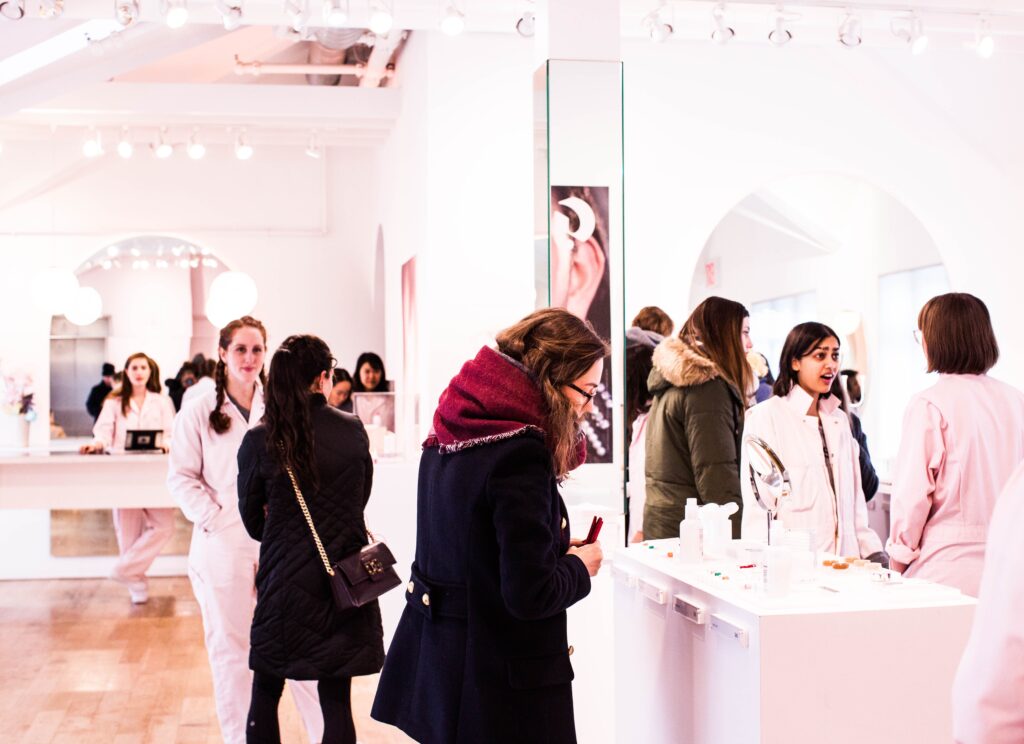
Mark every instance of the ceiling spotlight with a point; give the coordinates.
(163, 149)
(780, 35)
(849, 31)
(175, 13)
(313, 148)
(913, 34)
(658, 28)
(335, 13)
(51, 8)
(196, 149)
(381, 19)
(125, 148)
(230, 13)
(985, 45)
(452, 22)
(722, 33)
(243, 150)
(93, 145)
(296, 12)
(526, 26)
(126, 12)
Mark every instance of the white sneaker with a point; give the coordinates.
(139, 592)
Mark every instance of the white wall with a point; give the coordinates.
(707, 125)
(303, 229)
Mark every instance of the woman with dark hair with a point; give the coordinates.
(136, 404)
(370, 376)
(222, 560)
(868, 477)
(481, 653)
(640, 345)
(341, 391)
(700, 384)
(805, 425)
(962, 438)
(297, 631)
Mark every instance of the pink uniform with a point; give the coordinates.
(141, 533)
(962, 438)
(203, 478)
(988, 694)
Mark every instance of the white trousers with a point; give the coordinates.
(222, 569)
(141, 535)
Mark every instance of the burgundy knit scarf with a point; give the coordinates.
(492, 398)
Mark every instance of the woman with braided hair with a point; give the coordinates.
(222, 561)
(297, 631)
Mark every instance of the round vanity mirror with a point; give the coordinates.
(769, 478)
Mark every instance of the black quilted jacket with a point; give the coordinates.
(296, 632)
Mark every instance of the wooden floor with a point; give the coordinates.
(81, 665)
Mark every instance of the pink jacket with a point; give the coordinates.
(112, 425)
(962, 438)
(203, 471)
(988, 694)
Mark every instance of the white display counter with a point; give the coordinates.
(704, 659)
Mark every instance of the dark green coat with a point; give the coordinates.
(693, 439)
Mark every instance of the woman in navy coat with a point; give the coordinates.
(481, 653)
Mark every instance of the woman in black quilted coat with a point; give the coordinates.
(297, 633)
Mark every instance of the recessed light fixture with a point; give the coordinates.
(335, 13)
(243, 150)
(381, 18)
(849, 31)
(452, 21)
(912, 33)
(526, 26)
(196, 149)
(125, 148)
(657, 24)
(722, 33)
(93, 145)
(780, 35)
(162, 148)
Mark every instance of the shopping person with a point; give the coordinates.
(961, 440)
(989, 684)
(99, 392)
(297, 632)
(481, 653)
(136, 404)
(806, 427)
(222, 559)
(700, 385)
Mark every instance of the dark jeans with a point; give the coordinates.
(335, 701)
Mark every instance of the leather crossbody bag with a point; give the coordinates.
(358, 578)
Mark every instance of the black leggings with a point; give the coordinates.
(335, 701)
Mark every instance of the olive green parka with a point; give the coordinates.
(693, 438)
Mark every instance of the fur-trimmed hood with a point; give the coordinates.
(678, 364)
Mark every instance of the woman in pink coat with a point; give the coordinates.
(989, 687)
(962, 438)
(203, 478)
(136, 404)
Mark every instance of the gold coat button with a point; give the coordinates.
(411, 586)
(571, 649)
(426, 600)
(565, 523)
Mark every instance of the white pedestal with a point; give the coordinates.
(700, 660)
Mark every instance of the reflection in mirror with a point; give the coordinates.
(769, 478)
(824, 247)
(154, 291)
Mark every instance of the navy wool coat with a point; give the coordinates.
(481, 654)
(297, 633)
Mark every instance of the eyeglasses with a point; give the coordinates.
(584, 393)
(918, 336)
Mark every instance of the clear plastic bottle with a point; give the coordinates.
(691, 535)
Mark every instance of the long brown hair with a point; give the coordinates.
(220, 422)
(296, 365)
(556, 347)
(124, 392)
(715, 329)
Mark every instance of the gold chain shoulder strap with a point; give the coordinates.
(309, 521)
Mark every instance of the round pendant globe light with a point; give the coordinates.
(53, 289)
(85, 308)
(232, 295)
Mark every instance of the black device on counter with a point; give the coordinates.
(142, 440)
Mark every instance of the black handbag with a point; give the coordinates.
(358, 578)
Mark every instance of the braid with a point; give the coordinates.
(220, 422)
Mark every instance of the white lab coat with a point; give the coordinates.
(141, 533)
(222, 560)
(839, 521)
(988, 693)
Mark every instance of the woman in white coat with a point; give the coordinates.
(811, 434)
(136, 404)
(222, 559)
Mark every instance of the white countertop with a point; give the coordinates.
(851, 590)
